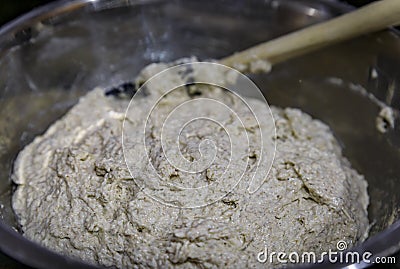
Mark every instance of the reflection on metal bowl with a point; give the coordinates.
(53, 55)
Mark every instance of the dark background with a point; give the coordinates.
(10, 9)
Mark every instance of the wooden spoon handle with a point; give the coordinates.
(371, 18)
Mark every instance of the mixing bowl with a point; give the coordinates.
(55, 54)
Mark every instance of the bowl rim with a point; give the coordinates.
(30, 253)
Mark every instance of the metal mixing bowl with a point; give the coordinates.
(53, 55)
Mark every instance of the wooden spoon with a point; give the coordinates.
(368, 19)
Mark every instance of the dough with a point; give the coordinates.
(76, 196)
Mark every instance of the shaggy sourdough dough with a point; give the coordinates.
(76, 196)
